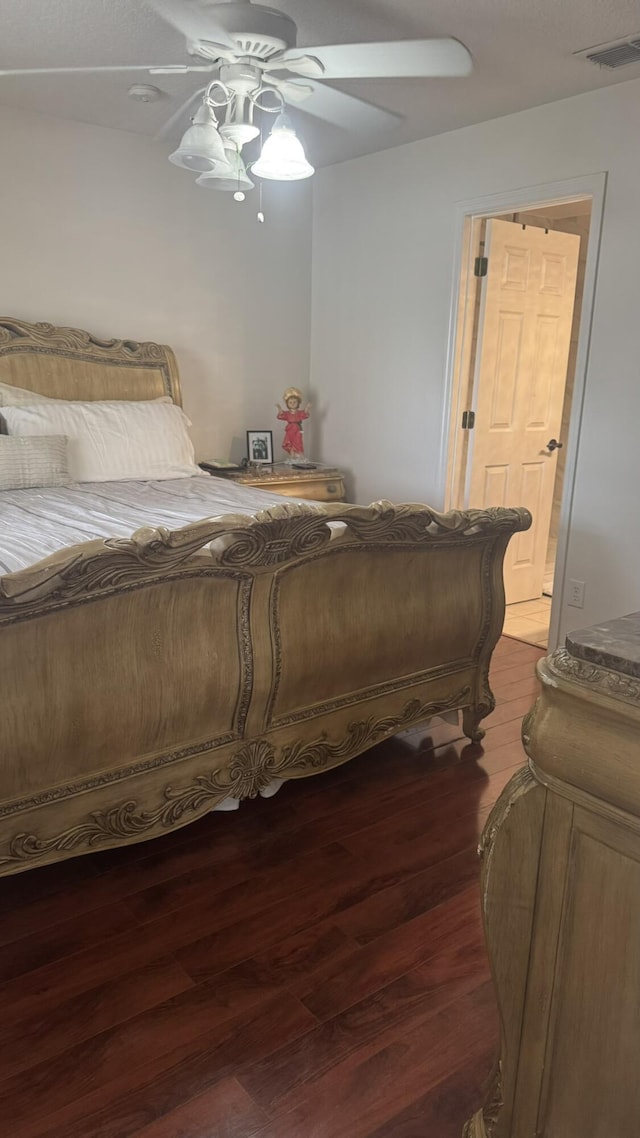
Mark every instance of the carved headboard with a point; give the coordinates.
(66, 363)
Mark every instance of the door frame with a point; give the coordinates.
(591, 186)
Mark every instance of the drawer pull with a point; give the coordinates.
(332, 488)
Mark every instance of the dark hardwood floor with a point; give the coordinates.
(309, 967)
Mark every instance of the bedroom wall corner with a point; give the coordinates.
(383, 248)
(99, 231)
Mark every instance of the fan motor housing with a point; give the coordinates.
(257, 30)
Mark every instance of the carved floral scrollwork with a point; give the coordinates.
(98, 567)
(283, 533)
(384, 520)
(319, 753)
(248, 771)
(252, 769)
(277, 535)
(601, 679)
(17, 334)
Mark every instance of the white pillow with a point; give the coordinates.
(110, 441)
(29, 462)
(19, 396)
(24, 397)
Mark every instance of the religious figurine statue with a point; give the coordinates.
(294, 416)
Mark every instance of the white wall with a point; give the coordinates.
(98, 230)
(384, 235)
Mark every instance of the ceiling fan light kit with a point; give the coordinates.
(252, 48)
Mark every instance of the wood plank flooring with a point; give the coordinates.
(312, 965)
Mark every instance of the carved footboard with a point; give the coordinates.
(146, 680)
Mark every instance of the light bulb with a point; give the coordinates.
(239, 196)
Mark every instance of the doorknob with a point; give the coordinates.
(553, 444)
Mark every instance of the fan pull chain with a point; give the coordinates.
(260, 214)
(239, 195)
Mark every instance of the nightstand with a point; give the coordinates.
(323, 484)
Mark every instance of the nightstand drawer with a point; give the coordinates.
(317, 489)
(319, 485)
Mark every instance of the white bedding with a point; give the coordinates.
(36, 523)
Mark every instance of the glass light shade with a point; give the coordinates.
(235, 178)
(201, 148)
(283, 158)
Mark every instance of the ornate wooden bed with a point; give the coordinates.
(146, 680)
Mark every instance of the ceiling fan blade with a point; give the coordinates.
(152, 68)
(167, 130)
(402, 59)
(304, 65)
(194, 22)
(290, 90)
(345, 111)
(183, 68)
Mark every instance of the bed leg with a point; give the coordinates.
(471, 719)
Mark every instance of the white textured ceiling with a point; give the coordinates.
(522, 53)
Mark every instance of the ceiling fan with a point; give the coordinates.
(252, 49)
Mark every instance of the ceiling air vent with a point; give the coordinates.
(613, 55)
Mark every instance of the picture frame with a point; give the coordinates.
(260, 448)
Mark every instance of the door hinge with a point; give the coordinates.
(481, 267)
(468, 420)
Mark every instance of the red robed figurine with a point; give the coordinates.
(293, 441)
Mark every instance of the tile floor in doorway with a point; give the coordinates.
(529, 621)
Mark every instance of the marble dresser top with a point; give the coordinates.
(614, 644)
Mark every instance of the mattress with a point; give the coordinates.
(37, 523)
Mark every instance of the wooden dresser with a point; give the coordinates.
(322, 484)
(561, 899)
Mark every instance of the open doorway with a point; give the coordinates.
(519, 319)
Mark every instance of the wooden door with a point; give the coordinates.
(521, 369)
